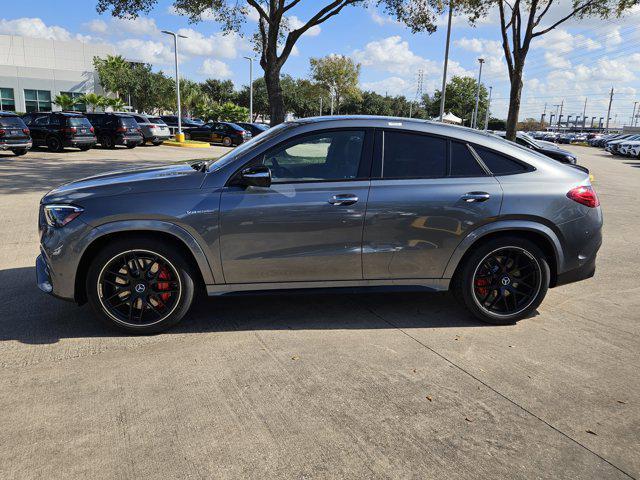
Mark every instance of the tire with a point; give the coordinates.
(227, 142)
(20, 152)
(131, 145)
(512, 299)
(84, 148)
(107, 142)
(54, 144)
(186, 136)
(156, 311)
(159, 142)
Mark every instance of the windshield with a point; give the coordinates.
(79, 122)
(12, 122)
(218, 163)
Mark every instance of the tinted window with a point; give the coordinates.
(41, 121)
(140, 119)
(156, 120)
(55, 121)
(499, 164)
(79, 122)
(129, 122)
(323, 156)
(463, 163)
(407, 155)
(11, 122)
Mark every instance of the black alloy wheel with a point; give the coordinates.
(54, 144)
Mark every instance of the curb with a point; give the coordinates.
(190, 144)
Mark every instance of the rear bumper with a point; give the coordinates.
(129, 140)
(80, 142)
(16, 145)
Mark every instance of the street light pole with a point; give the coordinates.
(250, 88)
(180, 135)
(443, 91)
(474, 117)
(486, 117)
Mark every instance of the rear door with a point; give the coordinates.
(427, 193)
(308, 225)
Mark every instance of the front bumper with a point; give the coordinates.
(16, 145)
(43, 277)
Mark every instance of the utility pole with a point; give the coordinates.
(418, 91)
(179, 136)
(443, 92)
(544, 114)
(584, 113)
(474, 117)
(609, 109)
(560, 116)
(633, 115)
(250, 88)
(556, 115)
(486, 117)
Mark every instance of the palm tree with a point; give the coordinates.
(65, 102)
(117, 104)
(102, 102)
(92, 100)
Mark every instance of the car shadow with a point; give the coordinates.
(29, 316)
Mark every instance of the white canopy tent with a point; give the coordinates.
(451, 118)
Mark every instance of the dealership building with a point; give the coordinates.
(33, 71)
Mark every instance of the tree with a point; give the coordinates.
(275, 37)
(497, 124)
(220, 91)
(521, 22)
(338, 75)
(103, 102)
(65, 102)
(116, 104)
(260, 98)
(531, 124)
(115, 74)
(191, 96)
(460, 100)
(91, 100)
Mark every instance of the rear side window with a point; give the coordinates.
(15, 122)
(129, 122)
(463, 163)
(409, 155)
(156, 120)
(499, 164)
(79, 122)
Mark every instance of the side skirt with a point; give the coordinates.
(431, 284)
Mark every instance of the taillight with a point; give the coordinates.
(26, 131)
(585, 195)
(91, 130)
(121, 129)
(2, 132)
(69, 130)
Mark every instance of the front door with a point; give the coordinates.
(308, 225)
(427, 194)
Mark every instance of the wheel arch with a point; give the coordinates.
(543, 236)
(169, 232)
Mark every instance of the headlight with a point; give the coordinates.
(570, 159)
(60, 215)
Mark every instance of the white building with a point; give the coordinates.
(33, 71)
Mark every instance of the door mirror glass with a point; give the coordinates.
(256, 176)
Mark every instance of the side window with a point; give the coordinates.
(41, 121)
(411, 155)
(463, 163)
(323, 156)
(55, 121)
(499, 164)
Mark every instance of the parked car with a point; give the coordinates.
(612, 145)
(254, 128)
(116, 129)
(187, 123)
(225, 133)
(57, 130)
(153, 129)
(565, 138)
(327, 202)
(545, 148)
(627, 148)
(634, 150)
(14, 134)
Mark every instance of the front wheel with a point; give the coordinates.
(503, 281)
(227, 142)
(20, 152)
(156, 143)
(107, 142)
(140, 285)
(54, 144)
(131, 145)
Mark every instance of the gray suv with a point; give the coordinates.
(325, 202)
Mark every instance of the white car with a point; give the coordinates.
(626, 147)
(634, 150)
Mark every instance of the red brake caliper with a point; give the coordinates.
(164, 275)
(481, 284)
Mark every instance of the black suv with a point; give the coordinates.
(57, 130)
(116, 129)
(226, 133)
(14, 134)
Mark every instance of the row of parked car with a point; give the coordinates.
(57, 130)
(560, 137)
(624, 144)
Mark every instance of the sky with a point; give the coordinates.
(580, 59)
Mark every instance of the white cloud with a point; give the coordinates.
(392, 86)
(393, 55)
(561, 41)
(556, 61)
(97, 26)
(207, 16)
(136, 26)
(295, 23)
(217, 45)
(213, 68)
(147, 51)
(34, 27)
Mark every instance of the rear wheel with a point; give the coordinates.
(227, 142)
(158, 142)
(504, 280)
(131, 145)
(140, 285)
(20, 152)
(54, 144)
(84, 148)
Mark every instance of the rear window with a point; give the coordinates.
(410, 155)
(499, 164)
(12, 122)
(463, 163)
(129, 122)
(156, 120)
(79, 122)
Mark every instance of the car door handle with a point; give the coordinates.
(343, 199)
(475, 197)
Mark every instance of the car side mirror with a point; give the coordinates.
(256, 176)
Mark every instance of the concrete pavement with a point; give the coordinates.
(320, 386)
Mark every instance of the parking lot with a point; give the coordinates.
(402, 385)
